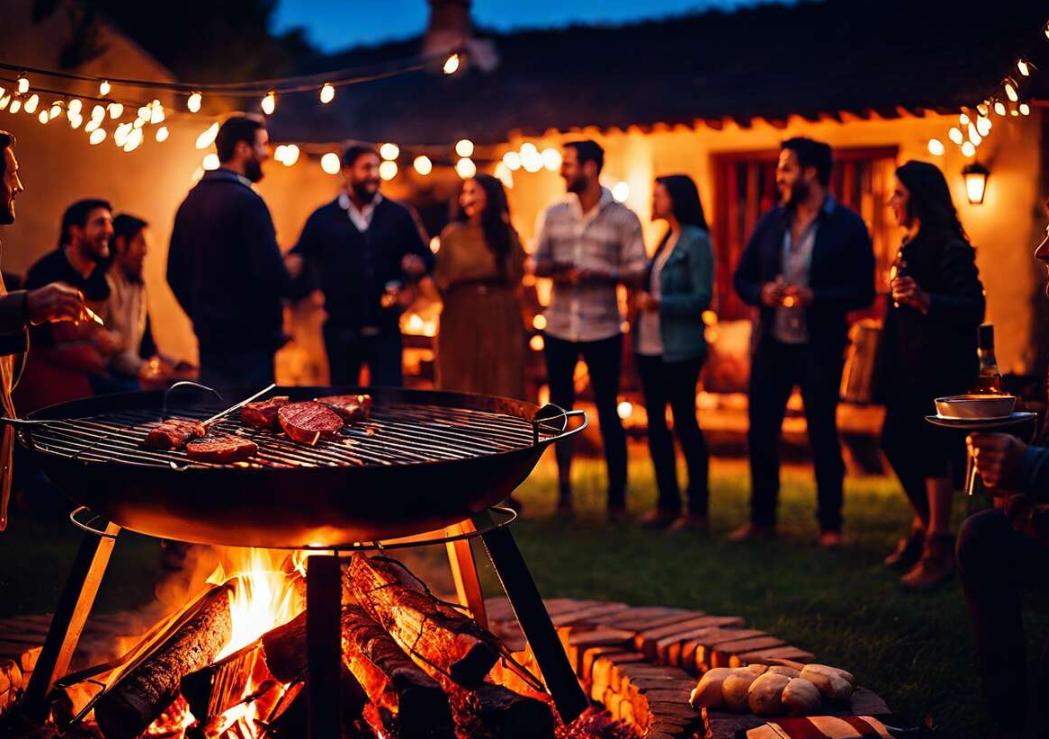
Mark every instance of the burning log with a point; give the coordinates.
(142, 693)
(438, 633)
(494, 711)
(406, 702)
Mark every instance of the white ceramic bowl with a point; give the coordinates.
(976, 406)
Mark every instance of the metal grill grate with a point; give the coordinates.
(396, 434)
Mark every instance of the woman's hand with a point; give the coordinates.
(905, 291)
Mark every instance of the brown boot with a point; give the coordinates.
(935, 566)
(908, 551)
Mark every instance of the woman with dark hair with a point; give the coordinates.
(670, 347)
(928, 349)
(481, 342)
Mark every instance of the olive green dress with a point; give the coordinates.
(481, 341)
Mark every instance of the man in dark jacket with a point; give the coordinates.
(225, 266)
(364, 252)
(808, 262)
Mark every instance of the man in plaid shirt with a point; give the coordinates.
(588, 244)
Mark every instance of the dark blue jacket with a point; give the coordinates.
(841, 274)
(225, 266)
(352, 268)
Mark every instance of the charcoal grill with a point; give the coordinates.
(427, 467)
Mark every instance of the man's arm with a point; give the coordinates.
(418, 260)
(633, 261)
(747, 278)
(855, 289)
(180, 265)
(543, 257)
(14, 313)
(265, 261)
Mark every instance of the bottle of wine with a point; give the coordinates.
(989, 379)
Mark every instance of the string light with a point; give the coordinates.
(162, 134)
(75, 119)
(43, 117)
(936, 147)
(1010, 90)
(210, 162)
(983, 108)
(1024, 109)
(465, 168)
(531, 160)
(327, 93)
(75, 106)
(98, 113)
(551, 159)
(56, 110)
(968, 149)
(983, 125)
(194, 101)
(121, 134)
(291, 154)
(1024, 67)
(963, 119)
(331, 163)
(97, 136)
(5, 100)
(621, 192)
(157, 115)
(452, 64)
(955, 135)
(512, 160)
(423, 165)
(139, 123)
(389, 152)
(16, 105)
(134, 140)
(92, 125)
(104, 87)
(464, 148)
(504, 175)
(999, 107)
(974, 135)
(207, 138)
(388, 170)
(31, 103)
(22, 84)
(269, 103)
(115, 110)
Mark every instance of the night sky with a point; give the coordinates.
(337, 24)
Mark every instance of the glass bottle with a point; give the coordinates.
(989, 379)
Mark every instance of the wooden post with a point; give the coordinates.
(464, 573)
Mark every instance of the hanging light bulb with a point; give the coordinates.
(75, 119)
(134, 140)
(389, 152)
(162, 134)
(1046, 29)
(936, 147)
(31, 103)
(144, 112)
(98, 113)
(1010, 90)
(1024, 67)
(388, 170)
(1024, 109)
(983, 125)
(955, 135)
(331, 163)
(210, 162)
(504, 175)
(465, 168)
(464, 148)
(157, 115)
(92, 125)
(16, 105)
(327, 93)
(983, 108)
(423, 165)
(121, 134)
(452, 64)
(278, 153)
(999, 107)
(963, 119)
(5, 100)
(43, 117)
(56, 110)
(104, 87)
(115, 110)
(23, 84)
(139, 123)
(531, 160)
(291, 155)
(194, 101)
(968, 149)
(75, 106)
(551, 159)
(621, 192)
(207, 138)
(269, 103)
(97, 136)
(512, 160)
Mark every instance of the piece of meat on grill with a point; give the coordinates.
(350, 408)
(221, 449)
(309, 421)
(173, 433)
(263, 414)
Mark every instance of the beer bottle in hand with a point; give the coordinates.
(989, 379)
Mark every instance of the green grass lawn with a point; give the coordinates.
(913, 649)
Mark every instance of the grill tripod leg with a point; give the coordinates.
(524, 597)
(464, 573)
(74, 605)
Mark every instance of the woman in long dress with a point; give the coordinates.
(481, 341)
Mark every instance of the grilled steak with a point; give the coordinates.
(309, 421)
(221, 449)
(173, 433)
(350, 408)
(263, 414)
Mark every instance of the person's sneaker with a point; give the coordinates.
(830, 540)
(689, 522)
(658, 519)
(752, 532)
(616, 514)
(936, 565)
(908, 551)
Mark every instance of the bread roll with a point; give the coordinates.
(829, 682)
(763, 695)
(756, 669)
(800, 697)
(734, 690)
(788, 671)
(707, 692)
(847, 676)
